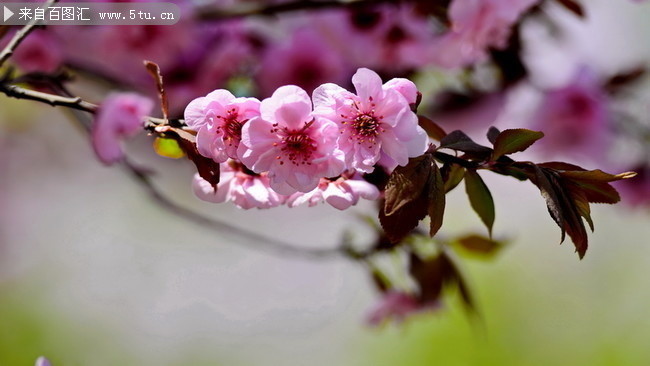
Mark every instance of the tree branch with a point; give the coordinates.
(20, 36)
(142, 177)
(210, 13)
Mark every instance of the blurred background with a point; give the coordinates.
(93, 272)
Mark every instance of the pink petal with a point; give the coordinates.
(367, 84)
(289, 106)
(195, 116)
(405, 87)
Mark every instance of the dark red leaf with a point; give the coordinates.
(492, 134)
(458, 140)
(515, 140)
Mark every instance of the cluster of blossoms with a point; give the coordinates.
(290, 148)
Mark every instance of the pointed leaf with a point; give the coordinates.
(154, 71)
(458, 140)
(561, 206)
(480, 198)
(512, 141)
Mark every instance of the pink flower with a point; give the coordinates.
(218, 118)
(396, 305)
(240, 186)
(575, 118)
(477, 25)
(119, 116)
(39, 52)
(294, 146)
(377, 124)
(340, 193)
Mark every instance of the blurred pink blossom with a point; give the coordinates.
(477, 26)
(38, 52)
(239, 185)
(296, 147)
(307, 61)
(575, 118)
(120, 115)
(340, 193)
(377, 124)
(218, 118)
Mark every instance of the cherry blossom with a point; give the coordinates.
(476, 26)
(218, 119)
(296, 147)
(340, 193)
(377, 124)
(575, 117)
(120, 116)
(239, 185)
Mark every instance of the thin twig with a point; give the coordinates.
(18, 92)
(252, 239)
(211, 13)
(20, 36)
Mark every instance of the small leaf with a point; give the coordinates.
(432, 129)
(458, 140)
(492, 134)
(512, 141)
(573, 6)
(168, 148)
(154, 71)
(479, 244)
(480, 198)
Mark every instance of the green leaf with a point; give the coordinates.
(168, 148)
(512, 141)
(480, 198)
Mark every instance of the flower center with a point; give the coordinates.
(231, 126)
(366, 125)
(298, 148)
